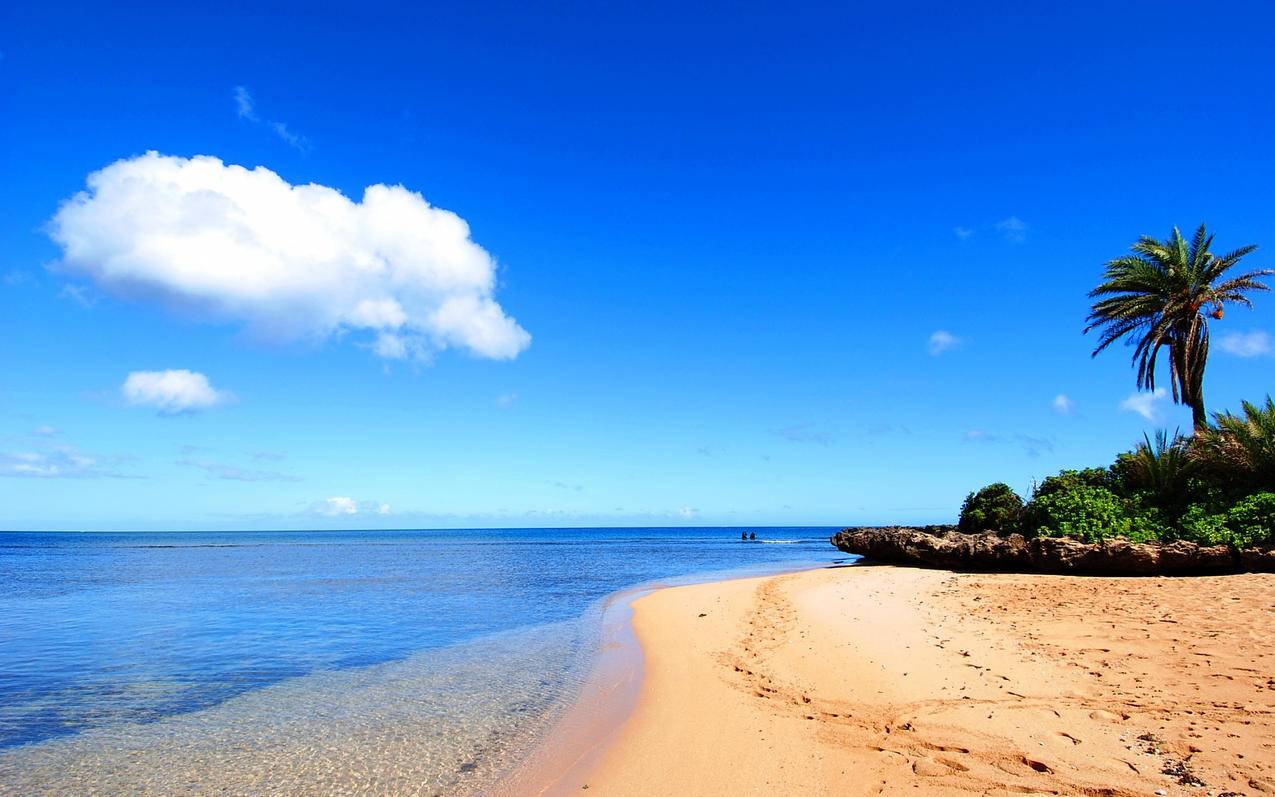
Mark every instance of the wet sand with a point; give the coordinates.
(877, 680)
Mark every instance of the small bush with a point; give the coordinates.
(1081, 510)
(1070, 480)
(996, 507)
(1252, 520)
(1205, 524)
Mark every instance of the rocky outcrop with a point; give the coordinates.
(943, 547)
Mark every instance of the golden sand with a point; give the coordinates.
(879, 680)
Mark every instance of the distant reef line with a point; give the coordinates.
(990, 551)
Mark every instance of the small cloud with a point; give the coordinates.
(235, 473)
(45, 431)
(15, 278)
(506, 400)
(704, 451)
(345, 506)
(804, 433)
(1146, 404)
(1033, 446)
(244, 104)
(1062, 404)
(1246, 344)
(687, 512)
(173, 392)
(963, 233)
(59, 462)
(79, 294)
(942, 341)
(1013, 229)
(338, 506)
(246, 109)
(575, 488)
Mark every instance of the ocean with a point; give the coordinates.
(393, 662)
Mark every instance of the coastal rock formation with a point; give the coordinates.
(942, 547)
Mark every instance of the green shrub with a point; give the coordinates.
(1083, 511)
(1252, 520)
(1070, 480)
(996, 507)
(1205, 524)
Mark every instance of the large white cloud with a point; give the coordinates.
(290, 261)
(173, 392)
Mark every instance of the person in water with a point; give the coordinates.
(752, 535)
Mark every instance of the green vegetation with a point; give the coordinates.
(996, 506)
(1154, 299)
(1216, 488)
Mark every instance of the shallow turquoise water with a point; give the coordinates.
(124, 654)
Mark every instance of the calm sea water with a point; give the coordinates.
(290, 662)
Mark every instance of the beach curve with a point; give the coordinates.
(869, 680)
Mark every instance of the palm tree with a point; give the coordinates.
(1155, 298)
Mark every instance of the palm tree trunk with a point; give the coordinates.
(1199, 418)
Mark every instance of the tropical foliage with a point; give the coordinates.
(1216, 488)
(996, 507)
(1155, 298)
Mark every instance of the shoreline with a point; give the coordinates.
(594, 716)
(865, 679)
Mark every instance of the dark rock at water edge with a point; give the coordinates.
(940, 546)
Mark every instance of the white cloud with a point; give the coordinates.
(45, 431)
(244, 104)
(246, 109)
(942, 341)
(1062, 404)
(1013, 229)
(339, 505)
(1146, 404)
(292, 262)
(1246, 344)
(962, 232)
(55, 462)
(506, 400)
(172, 392)
(345, 506)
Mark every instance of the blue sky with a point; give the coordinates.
(715, 249)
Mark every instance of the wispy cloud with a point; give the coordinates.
(506, 400)
(1146, 404)
(942, 341)
(964, 233)
(1032, 445)
(57, 462)
(15, 278)
(45, 431)
(246, 108)
(1246, 344)
(173, 392)
(1062, 404)
(79, 294)
(804, 433)
(221, 470)
(1013, 229)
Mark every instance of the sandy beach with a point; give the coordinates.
(880, 680)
